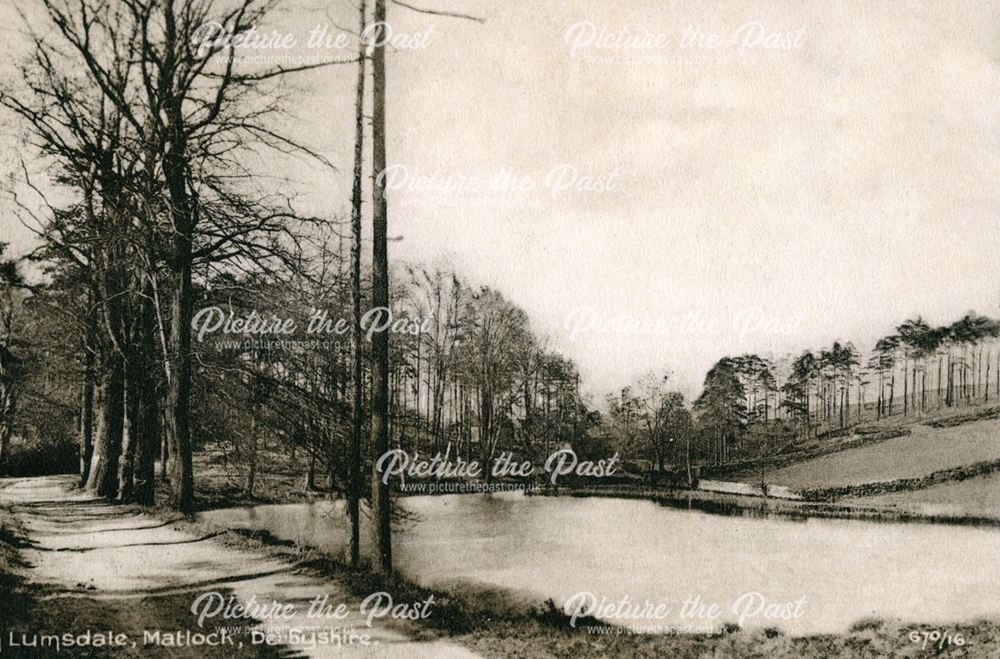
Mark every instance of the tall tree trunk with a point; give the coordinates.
(160, 398)
(845, 405)
(126, 463)
(416, 428)
(103, 476)
(164, 449)
(861, 396)
(977, 368)
(906, 389)
(87, 410)
(939, 382)
(381, 505)
(184, 220)
(112, 289)
(892, 390)
(986, 382)
(181, 308)
(687, 456)
(9, 372)
(948, 395)
(179, 388)
(963, 391)
(881, 394)
(357, 419)
(485, 431)
(148, 425)
(252, 454)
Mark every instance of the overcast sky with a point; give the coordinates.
(813, 171)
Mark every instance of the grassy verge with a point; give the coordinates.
(17, 603)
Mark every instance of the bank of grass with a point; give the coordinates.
(783, 467)
(960, 418)
(868, 640)
(971, 473)
(750, 471)
(16, 603)
(924, 451)
(971, 496)
(497, 623)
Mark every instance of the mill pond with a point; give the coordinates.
(653, 568)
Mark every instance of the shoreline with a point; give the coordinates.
(717, 503)
(760, 506)
(706, 501)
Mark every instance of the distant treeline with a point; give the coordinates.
(752, 406)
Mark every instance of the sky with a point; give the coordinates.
(660, 184)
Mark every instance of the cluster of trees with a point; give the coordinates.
(959, 358)
(829, 375)
(915, 369)
(648, 420)
(467, 374)
(751, 406)
(147, 145)
(158, 154)
(151, 186)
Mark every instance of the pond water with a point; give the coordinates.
(645, 561)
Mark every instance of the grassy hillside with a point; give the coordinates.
(922, 452)
(979, 497)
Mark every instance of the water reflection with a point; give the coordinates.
(554, 547)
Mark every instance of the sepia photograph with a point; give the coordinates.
(500, 329)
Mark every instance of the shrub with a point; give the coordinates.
(41, 457)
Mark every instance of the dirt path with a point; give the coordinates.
(83, 547)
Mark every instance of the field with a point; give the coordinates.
(921, 453)
(975, 496)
